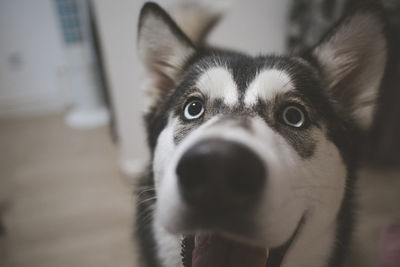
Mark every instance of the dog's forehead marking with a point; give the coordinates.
(218, 83)
(266, 85)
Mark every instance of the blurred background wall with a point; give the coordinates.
(31, 58)
(47, 62)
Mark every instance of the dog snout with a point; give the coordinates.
(219, 176)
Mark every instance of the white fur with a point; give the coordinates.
(266, 85)
(164, 148)
(321, 183)
(168, 245)
(217, 82)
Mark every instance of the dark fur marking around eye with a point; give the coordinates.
(184, 129)
(212, 109)
(300, 139)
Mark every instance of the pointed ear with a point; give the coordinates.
(163, 48)
(353, 58)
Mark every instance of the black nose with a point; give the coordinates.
(217, 175)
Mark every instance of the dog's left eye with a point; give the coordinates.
(194, 109)
(293, 116)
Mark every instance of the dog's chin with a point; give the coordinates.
(219, 244)
(230, 244)
(223, 249)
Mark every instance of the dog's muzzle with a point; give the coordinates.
(218, 176)
(220, 179)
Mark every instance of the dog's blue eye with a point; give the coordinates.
(194, 110)
(293, 116)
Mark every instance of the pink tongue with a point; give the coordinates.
(389, 246)
(215, 251)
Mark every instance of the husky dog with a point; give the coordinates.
(253, 158)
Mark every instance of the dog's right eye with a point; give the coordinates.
(194, 109)
(294, 116)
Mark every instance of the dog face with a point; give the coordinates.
(257, 149)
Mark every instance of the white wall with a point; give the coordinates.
(253, 26)
(31, 58)
(117, 24)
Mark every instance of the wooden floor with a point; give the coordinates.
(62, 199)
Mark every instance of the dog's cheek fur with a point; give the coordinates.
(163, 151)
(314, 186)
(168, 245)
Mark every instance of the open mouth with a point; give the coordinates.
(217, 251)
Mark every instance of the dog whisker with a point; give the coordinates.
(141, 192)
(146, 200)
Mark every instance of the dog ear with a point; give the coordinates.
(163, 48)
(352, 57)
